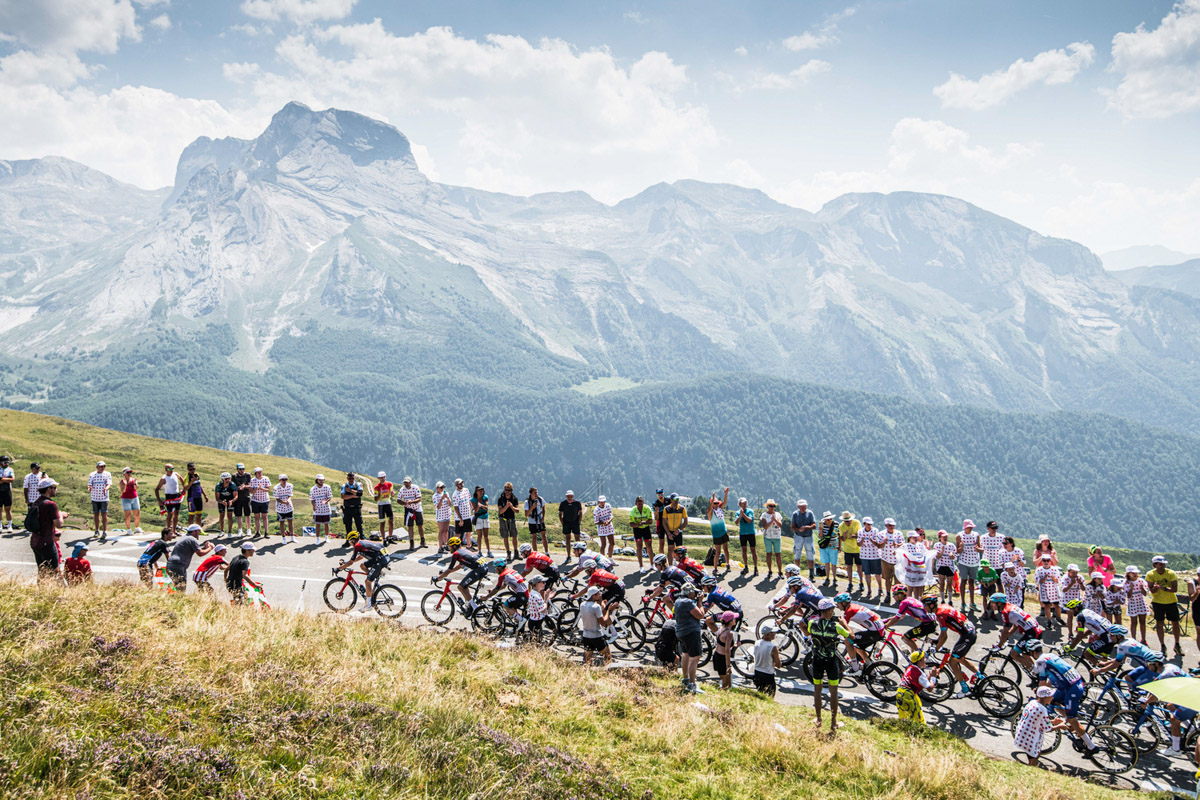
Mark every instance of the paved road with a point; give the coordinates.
(294, 575)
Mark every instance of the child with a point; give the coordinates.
(78, 568)
(1035, 722)
(723, 652)
(1012, 583)
(1072, 589)
(154, 551)
(1094, 593)
(946, 551)
(989, 580)
(1136, 590)
(908, 694)
(1049, 582)
(1114, 600)
(537, 605)
(209, 567)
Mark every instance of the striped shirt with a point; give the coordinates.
(461, 500)
(411, 497)
(441, 506)
(31, 487)
(98, 485)
(320, 497)
(602, 516)
(283, 498)
(261, 488)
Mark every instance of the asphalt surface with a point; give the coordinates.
(294, 575)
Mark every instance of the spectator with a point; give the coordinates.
(410, 496)
(870, 542)
(260, 502)
(284, 511)
(1095, 593)
(675, 521)
(766, 661)
(944, 555)
(481, 519)
(666, 646)
(1164, 601)
(1012, 583)
(1194, 597)
(720, 536)
(660, 504)
(804, 523)
(225, 493)
(506, 512)
(47, 530)
(208, 567)
(1098, 562)
(570, 512)
(602, 516)
(1014, 554)
(969, 552)
(146, 563)
(351, 494)
(196, 496)
(78, 568)
(747, 534)
(169, 495)
(912, 561)
(989, 584)
(130, 503)
(460, 503)
(688, 616)
(723, 649)
(1073, 588)
(535, 515)
(383, 493)
(1035, 723)
(641, 518)
(1114, 600)
(180, 559)
(442, 514)
(537, 605)
(848, 528)
(7, 478)
(99, 483)
(771, 523)
(594, 620)
(1043, 547)
(829, 546)
(237, 575)
(31, 484)
(241, 504)
(1048, 578)
(993, 546)
(320, 496)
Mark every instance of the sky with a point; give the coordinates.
(1079, 119)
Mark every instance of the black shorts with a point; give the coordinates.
(99, 506)
(764, 682)
(462, 527)
(282, 515)
(749, 540)
(946, 572)
(825, 668)
(553, 576)
(536, 527)
(964, 644)
(641, 534)
(614, 592)
(259, 508)
(1102, 645)
(865, 639)
(414, 517)
(172, 501)
(852, 559)
(5, 496)
(689, 644)
(1168, 612)
(385, 511)
(596, 645)
(474, 576)
(46, 557)
(571, 528)
(241, 507)
(924, 629)
(675, 539)
(374, 568)
(720, 664)
(720, 540)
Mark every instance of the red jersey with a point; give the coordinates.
(692, 567)
(915, 679)
(78, 567)
(539, 561)
(602, 578)
(954, 620)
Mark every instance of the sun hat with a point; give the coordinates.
(1099, 575)
(968, 524)
(889, 521)
(319, 477)
(1072, 567)
(983, 562)
(1045, 537)
(601, 499)
(770, 503)
(1008, 564)
(1134, 569)
(1045, 691)
(868, 521)
(801, 502)
(846, 515)
(80, 547)
(827, 515)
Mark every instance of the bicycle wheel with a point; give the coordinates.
(1099, 705)
(437, 607)
(389, 601)
(759, 625)
(882, 679)
(488, 618)
(1051, 739)
(943, 686)
(1117, 753)
(651, 621)
(568, 631)
(1141, 727)
(631, 634)
(707, 643)
(997, 664)
(548, 634)
(789, 647)
(743, 658)
(884, 651)
(999, 696)
(340, 596)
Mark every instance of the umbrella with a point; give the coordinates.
(1180, 691)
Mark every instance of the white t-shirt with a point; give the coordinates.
(762, 656)
(774, 528)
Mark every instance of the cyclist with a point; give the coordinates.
(1157, 669)
(1091, 622)
(611, 587)
(542, 563)
(805, 596)
(713, 595)
(374, 559)
(1016, 620)
(689, 565)
(908, 693)
(950, 619)
(911, 607)
(509, 578)
(584, 553)
(826, 667)
(462, 558)
(1121, 648)
(671, 579)
(860, 641)
(1050, 670)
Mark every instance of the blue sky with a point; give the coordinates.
(1079, 119)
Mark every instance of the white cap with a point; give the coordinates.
(1045, 691)
(889, 521)
(46, 483)
(1132, 568)
(247, 545)
(439, 485)
(1046, 556)
(219, 548)
(593, 591)
(407, 479)
(193, 528)
(283, 476)
(381, 474)
(768, 628)
(127, 469)
(100, 464)
(457, 481)
(258, 469)
(1099, 575)
(601, 499)
(569, 493)
(742, 500)
(1158, 560)
(801, 502)
(1072, 567)
(868, 521)
(320, 477)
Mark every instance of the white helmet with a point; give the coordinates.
(589, 564)
(525, 549)
(579, 546)
(791, 569)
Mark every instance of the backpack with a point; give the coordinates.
(33, 519)
(710, 557)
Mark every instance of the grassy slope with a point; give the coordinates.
(113, 691)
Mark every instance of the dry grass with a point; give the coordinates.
(113, 691)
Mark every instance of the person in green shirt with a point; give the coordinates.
(720, 536)
(989, 582)
(1164, 602)
(641, 518)
(826, 667)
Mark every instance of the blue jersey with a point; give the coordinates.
(807, 598)
(674, 575)
(1137, 652)
(1058, 672)
(722, 600)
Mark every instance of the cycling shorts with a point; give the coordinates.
(615, 591)
(825, 669)
(474, 576)
(517, 601)
(865, 639)
(964, 644)
(1102, 645)
(1140, 675)
(374, 568)
(924, 629)
(1069, 697)
(1033, 633)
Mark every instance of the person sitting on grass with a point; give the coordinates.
(78, 568)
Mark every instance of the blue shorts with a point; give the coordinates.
(131, 504)
(829, 555)
(803, 548)
(1140, 675)
(1183, 714)
(772, 545)
(1069, 697)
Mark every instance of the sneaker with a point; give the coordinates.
(95, 534)
(694, 689)
(645, 570)
(490, 554)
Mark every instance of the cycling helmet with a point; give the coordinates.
(1118, 630)
(791, 569)
(1030, 646)
(1074, 604)
(660, 559)
(795, 580)
(709, 580)
(825, 604)
(681, 551)
(499, 564)
(354, 536)
(844, 597)
(998, 597)
(899, 588)
(589, 564)
(728, 616)
(916, 656)
(1156, 658)
(929, 599)
(453, 542)
(525, 549)
(579, 546)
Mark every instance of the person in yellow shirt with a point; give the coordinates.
(848, 528)
(1164, 584)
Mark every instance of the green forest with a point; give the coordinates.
(476, 408)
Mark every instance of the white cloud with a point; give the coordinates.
(797, 77)
(636, 16)
(1051, 67)
(740, 51)
(248, 29)
(1160, 68)
(425, 161)
(162, 22)
(68, 26)
(1112, 215)
(508, 113)
(298, 11)
(823, 36)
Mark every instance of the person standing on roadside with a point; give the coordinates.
(641, 518)
(688, 616)
(870, 540)
(284, 511)
(241, 503)
(675, 520)
(44, 540)
(993, 546)
(570, 512)
(594, 619)
(460, 502)
(351, 494)
(766, 660)
(99, 485)
(1099, 562)
(260, 502)
(771, 523)
(969, 552)
(225, 493)
(409, 496)
(320, 496)
(602, 516)
(828, 547)
(169, 495)
(130, 503)
(31, 483)
(660, 527)
(196, 496)
(481, 519)
(535, 515)
(715, 514)
(804, 523)
(7, 478)
(747, 534)
(180, 559)
(384, 491)
(147, 562)
(848, 528)
(506, 512)
(1164, 601)
(892, 542)
(237, 575)
(441, 515)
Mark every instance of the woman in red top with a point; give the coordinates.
(130, 503)
(1098, 562)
